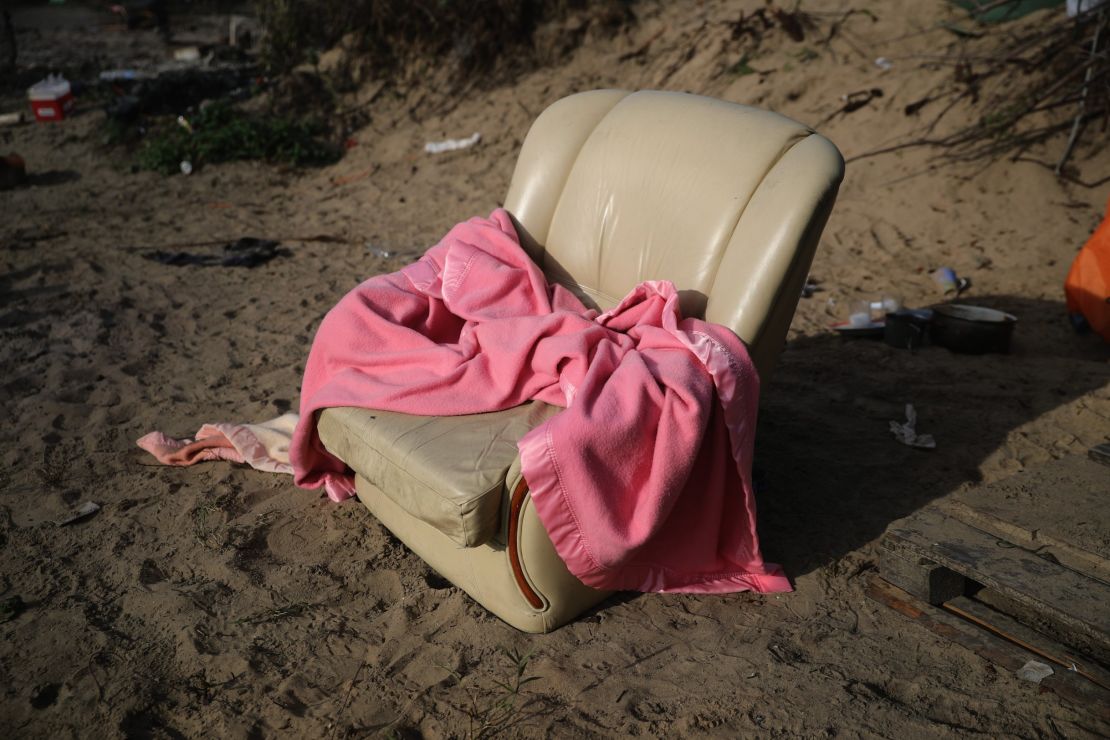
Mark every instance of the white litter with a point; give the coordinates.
(884, 64)
(450, 145)
(187, 54)
(86, 509)
(1035, 671)
(379, 252)
(906, 432)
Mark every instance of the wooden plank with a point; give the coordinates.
(921, 577)
(1062, 507)
(1065, 684)
(1030, 617)
(1014, 631)
(1044, 541)
(1073, 605)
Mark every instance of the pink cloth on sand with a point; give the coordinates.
(263, 446)
(643, 481)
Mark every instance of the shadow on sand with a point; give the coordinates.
(834, 475)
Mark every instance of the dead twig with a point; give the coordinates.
(642, 48)
(1082, 102)
(1064, 175)
(1024, 77)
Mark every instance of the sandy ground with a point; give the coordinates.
(223, 602)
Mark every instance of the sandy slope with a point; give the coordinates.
(219, 601)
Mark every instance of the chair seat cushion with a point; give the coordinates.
(448, 471)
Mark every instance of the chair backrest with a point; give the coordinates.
(727, 201)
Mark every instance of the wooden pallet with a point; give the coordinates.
(1000, 568)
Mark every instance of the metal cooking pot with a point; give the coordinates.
(972, 329)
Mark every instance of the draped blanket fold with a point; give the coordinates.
(643, 481)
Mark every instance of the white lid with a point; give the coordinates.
(52, 88)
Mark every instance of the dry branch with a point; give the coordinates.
(1029, 81)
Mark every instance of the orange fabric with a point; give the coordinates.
(1087, 286)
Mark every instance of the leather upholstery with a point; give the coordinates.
(611, 188)
(449, 472)
(724, 200)
(484, 571)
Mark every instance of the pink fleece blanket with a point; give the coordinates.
(643, 481)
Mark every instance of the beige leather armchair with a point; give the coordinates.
(611, 188)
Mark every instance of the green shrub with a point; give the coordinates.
(222, 133)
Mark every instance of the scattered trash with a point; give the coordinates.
(859, 324)
(13, 171)
(945, 277)
(124, 75)
(11, 607)
(867, 311)
(884, 64)
(11, 119)
(186, 167)
(860, 315)
(379, 252)
(84, 511)
(1034, 671)
(187, 54)
(51, 99)
(906, 432)
(870, 330)
(886, 304)
(813, 285)
(949, 282)
(169, 91)
(450, 145)
(238, 35)
(246, 252)
(907, 328)
(972, 330)
(183, 122)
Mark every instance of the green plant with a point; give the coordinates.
(223, 133)
(742, 68)
(491, 714)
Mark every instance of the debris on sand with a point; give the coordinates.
(246, 252)
(84, 511)
(451, 145)
(906, 432)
